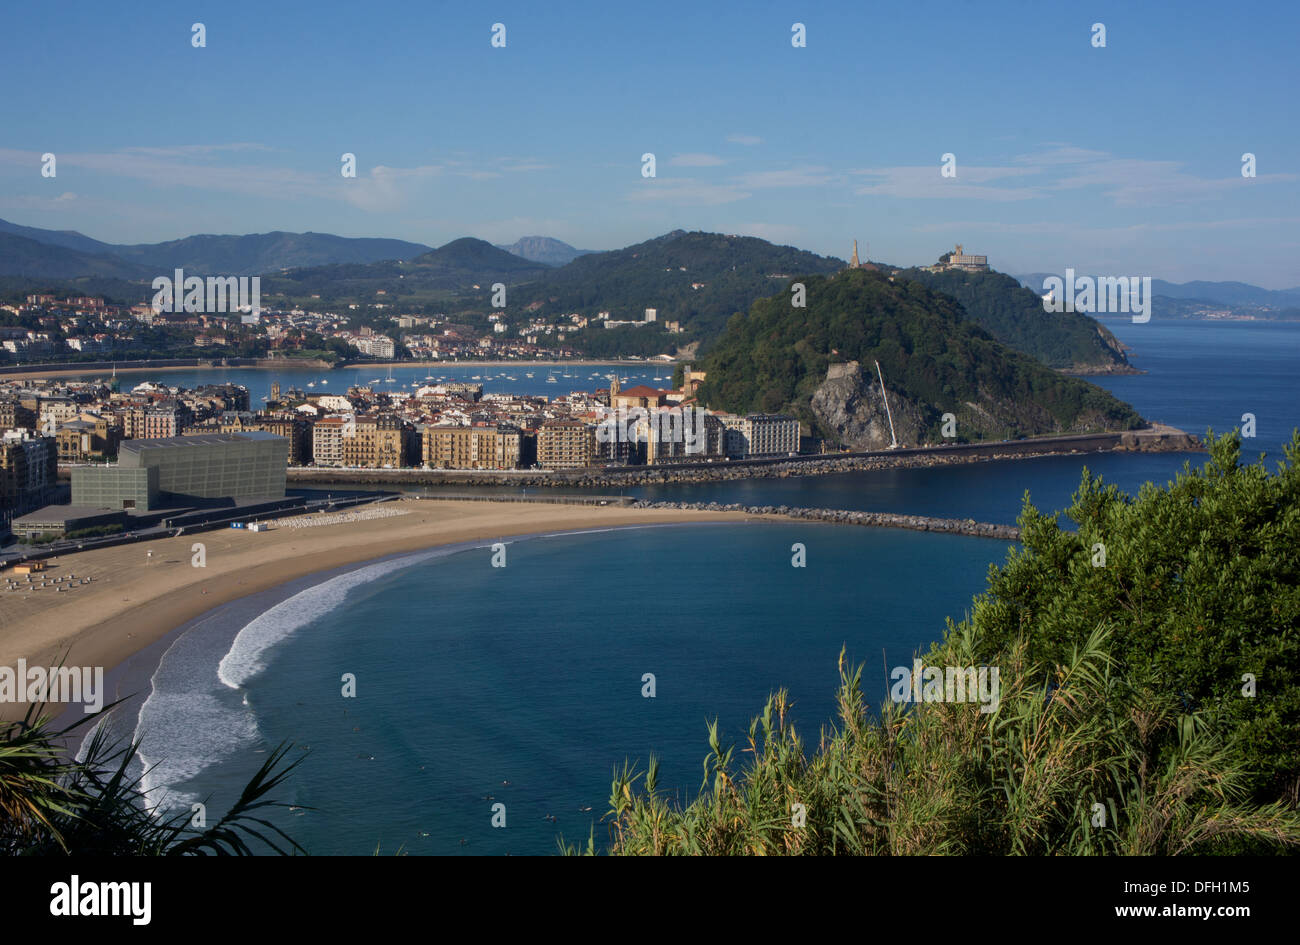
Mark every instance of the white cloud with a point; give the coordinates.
(686, 192)
(696, 160)
(926, 182)
(791, 177)
(387, 188)
(1108, 232)
(748, 140)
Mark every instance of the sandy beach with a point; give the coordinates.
(138, 593)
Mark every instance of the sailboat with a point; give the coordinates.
(550, 378)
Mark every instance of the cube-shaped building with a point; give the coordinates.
(171, 470)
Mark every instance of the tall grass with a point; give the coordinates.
(945, 778)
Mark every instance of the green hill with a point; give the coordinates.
(456, 267)
(935, 361)
(1014, 315)
(257, 253)
(21, 256)
(69, 254)
(697, 279)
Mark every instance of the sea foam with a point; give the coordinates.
(246, 657)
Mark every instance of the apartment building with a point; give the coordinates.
(28, 471)
(327, 440)
(482, 446)
(683, 435)
(14, 416)
(760, 435)
(375, 441)
(566, 444)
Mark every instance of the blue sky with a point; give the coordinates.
(1122, 160)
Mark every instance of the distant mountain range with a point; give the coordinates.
(206, 254)
(699, 281)
(456, 267)
(20, 256)
(1241, 297)
(543, 249)
(30, 251)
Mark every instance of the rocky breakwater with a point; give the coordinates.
(919, 523)
(1159, 438)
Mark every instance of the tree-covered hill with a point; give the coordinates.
(697, 279)
(67, 254)
(935, 361)
(456, 267)
(1014, 315)
(257, 253)
(23, 257)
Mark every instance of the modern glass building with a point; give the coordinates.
(115, 487)
(171, 470)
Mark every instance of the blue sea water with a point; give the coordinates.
(508, 378)
(469, 677)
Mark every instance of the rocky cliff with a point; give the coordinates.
(850, 404)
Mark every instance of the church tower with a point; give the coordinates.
(275, 391)
(854, 264)
(613, 388)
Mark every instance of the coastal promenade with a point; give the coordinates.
(1156, 438)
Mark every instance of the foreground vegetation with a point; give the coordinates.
(52, 804)
(1150, 702)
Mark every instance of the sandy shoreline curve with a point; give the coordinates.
(139, 593)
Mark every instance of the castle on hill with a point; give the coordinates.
(959, 259)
